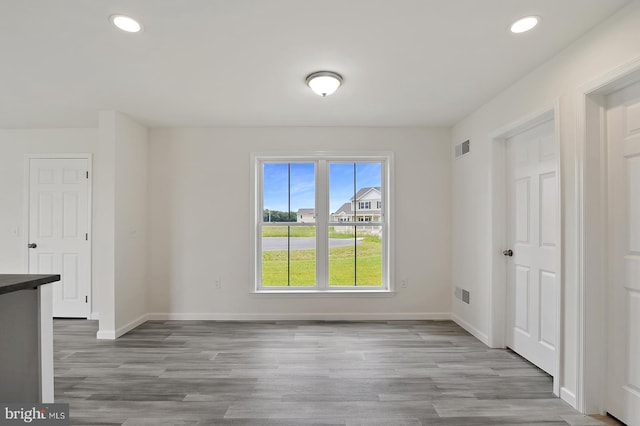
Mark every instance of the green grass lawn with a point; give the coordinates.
(302, 231)
(281, 231)
(368, 268)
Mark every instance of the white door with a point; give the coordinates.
(623, 371)
(58, 230)
(532, 272)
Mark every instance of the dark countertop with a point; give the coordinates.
(15, 282)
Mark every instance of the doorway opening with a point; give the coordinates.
(526, 272)
(608, 188)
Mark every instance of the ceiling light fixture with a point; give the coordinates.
(324, 82)
(524, 24)
(126, 23)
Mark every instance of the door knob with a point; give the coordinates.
(32, 245)
(508, 252)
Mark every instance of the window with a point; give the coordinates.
(340, 249)
(379, 205)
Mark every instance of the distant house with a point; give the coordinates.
(365, 206)
(306, 216)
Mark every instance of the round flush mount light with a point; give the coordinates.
(126, 23)
(324, 83)
(525, 24)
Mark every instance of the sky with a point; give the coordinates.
(302, 179)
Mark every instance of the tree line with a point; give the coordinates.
(278, 216)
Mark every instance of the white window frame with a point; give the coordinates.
(323, 220)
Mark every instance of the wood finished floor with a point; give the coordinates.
(298, 373)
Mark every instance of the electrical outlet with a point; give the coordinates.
(218, 283)
(404, 283)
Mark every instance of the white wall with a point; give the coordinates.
(199, 222)
(606, 47)
(104, 212)
(130, 222)
(122, 209)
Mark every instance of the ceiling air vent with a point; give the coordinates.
(462, 148)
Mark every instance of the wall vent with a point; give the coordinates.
(462, 148)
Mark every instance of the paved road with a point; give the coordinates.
(300, 243)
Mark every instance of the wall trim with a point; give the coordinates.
(567, 396)
(590, 198)
(483, 337)
(131, 325)
(106, 335)
(114, 334)
(179, 316)
(182, 316)
(321, 160)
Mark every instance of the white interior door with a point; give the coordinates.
(58, 230)
(532, 272)
(623, 371)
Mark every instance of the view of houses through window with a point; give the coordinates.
(351, 228)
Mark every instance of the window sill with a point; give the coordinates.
(327, 293)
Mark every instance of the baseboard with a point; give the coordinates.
(106, 335)
(114, 334)
(131, 325)
(567, 396)
(484, 338)
(159, 316)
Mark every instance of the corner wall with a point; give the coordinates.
(104, 213)
(130, 223)
(610, 45)
(123, 213)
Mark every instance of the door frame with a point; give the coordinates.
(499, 232)
(591, 235)
(25, 219)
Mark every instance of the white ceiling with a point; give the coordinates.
(243, 62)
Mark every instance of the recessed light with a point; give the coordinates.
(524, 24)
(126, 23)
